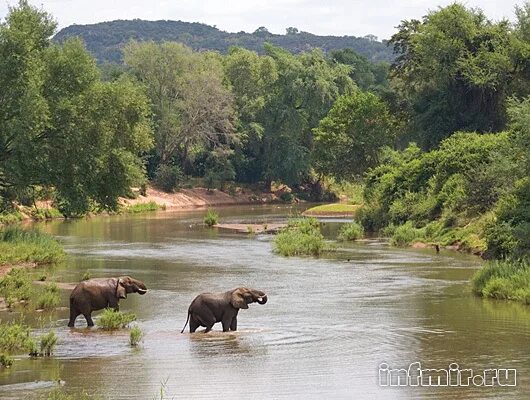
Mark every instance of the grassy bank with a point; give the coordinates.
(19, 245)
(504, 279)
(337, 209)
(143, 207)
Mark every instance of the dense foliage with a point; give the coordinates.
(105, 40)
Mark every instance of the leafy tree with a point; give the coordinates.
(349, 139)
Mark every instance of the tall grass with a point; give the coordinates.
(15, 338)
(351, 231)
(10, 217)
(143, 207)
(406, 234)
(15, 286)
(135, 336)
(300, 237)
(111, 320)
(23, 245)
(48, 343)
(504, 279)
(211, 218)
(49, 298)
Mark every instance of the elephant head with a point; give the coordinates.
(126, 284)
(242, 296)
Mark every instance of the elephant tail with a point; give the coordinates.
(187, 320)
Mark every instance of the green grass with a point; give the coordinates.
(19, 245)
(300, 237)
(49, 298)
(337, 208)
(135, 336)
(10, 217)
(505, 280)
(111, 320)
(61, 394)
(352, 191)
(16, 286)
(211, 218)
(406, 234)
(41, 214)
(351, 231)
(48, 343)
(15, 338)
(143, 207)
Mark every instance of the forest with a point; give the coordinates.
(439, 139)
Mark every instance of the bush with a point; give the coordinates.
(300, 237)
(351, 231)
(143, 207)
(211, 218)
(21, 245)
(135, 336)
(406, 234)
(15, 286)
(5, 360)
(504, 279)
(10, 217)
(48, 343)
(110, 319)
(15, 338)
(167, 177)
(286, 197)
(50, 298)
(40, 214)
(86, 276)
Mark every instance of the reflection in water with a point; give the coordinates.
(329, 322)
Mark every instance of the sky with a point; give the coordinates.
(325, 17)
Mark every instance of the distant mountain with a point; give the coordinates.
(105, 40)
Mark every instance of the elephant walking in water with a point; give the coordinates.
(96, 294)
(208, 308)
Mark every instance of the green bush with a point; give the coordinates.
(167, 177)
(110, 319)
(15, 286)
(211, 218)
(300, 237)
(15, 338)
(286, 197)
(351, 231)
(50, 298)
(48, 343)
(86, 276)
(504, 279)
(40, 214)
(10, 217)
(5, 360)
(406, 234)
(21, 245)
(143, 207)
(135, 336)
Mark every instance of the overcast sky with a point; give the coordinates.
(325, 17)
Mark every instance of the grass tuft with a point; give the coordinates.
(211, 218)
(135, 336)
(111, 320)
(300, 237)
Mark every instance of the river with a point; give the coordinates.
(329, 324)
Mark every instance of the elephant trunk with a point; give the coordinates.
(262, 299)
(141, 288)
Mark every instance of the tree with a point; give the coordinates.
(193, 109)
(348, 141)
(454, 69)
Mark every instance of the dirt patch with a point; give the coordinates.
(251, 228)
(199, 198)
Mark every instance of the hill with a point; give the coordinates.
(105, 40)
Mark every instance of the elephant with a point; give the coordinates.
(208, 308)
(99, 293)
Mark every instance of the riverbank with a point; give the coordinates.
(336, 210)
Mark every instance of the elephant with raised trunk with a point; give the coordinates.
(208, 308)
(96, 294)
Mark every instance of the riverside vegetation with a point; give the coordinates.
(439, 138)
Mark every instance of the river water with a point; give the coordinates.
(329, 324)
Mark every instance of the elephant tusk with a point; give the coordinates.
(142, 291)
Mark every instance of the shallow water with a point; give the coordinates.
(328, 325)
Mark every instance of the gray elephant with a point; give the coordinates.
(96, 294)
(208, 308)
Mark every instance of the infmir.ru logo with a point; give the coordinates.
(415, 375)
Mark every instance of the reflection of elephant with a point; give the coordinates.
(208, 308)
(96, 294)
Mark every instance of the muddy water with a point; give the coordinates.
(328, 325)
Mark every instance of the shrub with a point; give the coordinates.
(50, 298)
(5, 360)
(504, 279)
(300, 237)
(286, 197)
(10, 217)
(40, 214)
(211, 218)
(142, 207)
(15, 338)
(351, 231)
(167, 177)
(110, 319)
(15, 286)
(86, 276)
(135, 336)
(48, 343)
(406, 234)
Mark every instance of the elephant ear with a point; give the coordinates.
(237, 300)
(121, 293)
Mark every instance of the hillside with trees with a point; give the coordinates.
(106, 40)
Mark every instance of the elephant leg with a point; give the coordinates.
(73, 315)
(88, 318)
(207, 319)
(227, 324)
(194, 324)
(233, 325)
